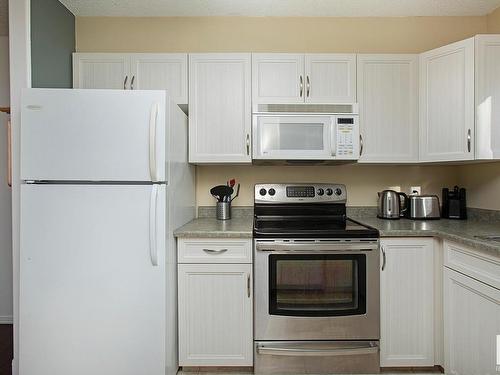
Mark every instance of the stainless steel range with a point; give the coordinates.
(316, 283)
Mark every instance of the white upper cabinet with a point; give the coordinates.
(297, 78)
(447, 102)
(330, 78)
(278, 78)
(101, 71)
(159, 72)
(487, 96)
(388, 107)
(220, 108)
(133, 71)
(407, 302)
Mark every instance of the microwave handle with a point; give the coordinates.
(333, 137)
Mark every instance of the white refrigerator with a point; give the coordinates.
(105, 183)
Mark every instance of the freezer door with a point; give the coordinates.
(93, 135)
(92, 280)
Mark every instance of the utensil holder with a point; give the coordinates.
(223, 211)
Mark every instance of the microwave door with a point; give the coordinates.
(293, 137)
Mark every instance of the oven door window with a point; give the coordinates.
(317, 285)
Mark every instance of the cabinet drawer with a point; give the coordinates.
(209, 250)
(469, 262)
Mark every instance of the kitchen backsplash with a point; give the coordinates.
(362, 181)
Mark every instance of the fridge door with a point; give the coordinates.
(92, 280)
(93, 135)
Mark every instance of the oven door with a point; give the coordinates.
(316, 291)
(294, 137)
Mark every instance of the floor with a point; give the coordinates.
(247, 373)
(391, 371)
(5, 349)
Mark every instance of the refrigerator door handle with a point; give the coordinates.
(153, 249)
(152, 143)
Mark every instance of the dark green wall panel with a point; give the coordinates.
(52, 43)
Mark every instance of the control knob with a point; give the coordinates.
(271, 192)
(338, 191)
(262, 191)
(329, 191)
(320, 191)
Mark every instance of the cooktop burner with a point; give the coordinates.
(305, 211)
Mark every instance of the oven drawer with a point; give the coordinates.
(210, 250)
(316, 357)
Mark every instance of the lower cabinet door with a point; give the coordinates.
(215, 315)
(407, 302)
(471, 325)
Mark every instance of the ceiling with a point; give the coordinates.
(328, 8)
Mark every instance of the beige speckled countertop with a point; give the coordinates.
(460, 231)
(463, 232)
(205, 227)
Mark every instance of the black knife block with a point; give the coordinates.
(454, 204)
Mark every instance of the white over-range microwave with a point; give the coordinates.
(306, 133)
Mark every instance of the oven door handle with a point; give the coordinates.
(311, 352)
(315, 247)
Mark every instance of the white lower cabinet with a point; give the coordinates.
(471, 312)
(407, 302)
(215, 311)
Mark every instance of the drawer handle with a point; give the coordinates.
(211, 251)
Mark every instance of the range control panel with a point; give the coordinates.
(300, 193)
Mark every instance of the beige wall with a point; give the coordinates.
(362, 181)
(253, 34)
(493, 22)
(483, 185)
(370, 35)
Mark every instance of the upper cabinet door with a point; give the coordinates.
(388, 107)
(447, 102)
(487, 96)
(163, 71)
(278, 78)
(330, 78)
(101, 71)
(220, 108)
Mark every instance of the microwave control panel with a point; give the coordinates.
(346, 139)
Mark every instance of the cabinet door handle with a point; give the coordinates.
(469, 137)
(383, 258)
(360, 145)
(301, 86)
(125, 83)
(248, 285)
(308, 85)
(211, 251)
(248, 144)
(132, 83)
